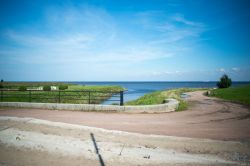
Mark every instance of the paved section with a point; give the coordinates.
(206, 118)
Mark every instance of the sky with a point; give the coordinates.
(122, 40)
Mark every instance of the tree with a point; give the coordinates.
(47, 88)
(224, 82)
(63, 87)
(1, 84)
(22, 88)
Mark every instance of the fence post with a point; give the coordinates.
(1, 95)
(121, 98)
(29, 95)
(89, 97)
(59, 97)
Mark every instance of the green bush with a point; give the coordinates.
(63, 87)
(1, 84)
(22, 88)
(225, 82)
(47, 88)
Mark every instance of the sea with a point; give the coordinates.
(138, 89)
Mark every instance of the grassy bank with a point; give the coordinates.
(158, 97)
(95, 88)
(75, 94)
(239, 94)
(15, 85)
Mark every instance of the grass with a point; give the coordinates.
(96, 88)
(15, 85)
(239, 94)
(75, 94)
(158, 97)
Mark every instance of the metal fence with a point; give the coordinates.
(62, 96)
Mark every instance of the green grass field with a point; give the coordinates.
(158, 97)
(14, 85)
(239, 94)
(76, 94)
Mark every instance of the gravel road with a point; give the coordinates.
(206, 118)
(211, 132)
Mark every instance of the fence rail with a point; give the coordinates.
(62, 96)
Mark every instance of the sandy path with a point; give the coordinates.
(206, 118)
(28, 141)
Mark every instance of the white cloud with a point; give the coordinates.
(78, 48)
(222, 70)
(80, 35)
(73, 40)
(170, 32)
(166, 73)
(181, 19)
(235, 69)
(89, 39)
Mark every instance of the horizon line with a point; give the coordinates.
(124, 81)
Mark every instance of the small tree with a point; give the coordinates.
(46, 88)
(22, 88)
(63, 87)
(1, 84)
(224, 82)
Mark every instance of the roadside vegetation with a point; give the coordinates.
(48, 93)
(16, 85)
(225, 82)
(96, 88)
(240, 94)
(159, 97)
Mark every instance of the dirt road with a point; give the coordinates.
(206, 118)
(63, 137)
(28, 141)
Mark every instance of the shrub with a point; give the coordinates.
(46, 88)
(22, 88)
(1, 84)
(63, 87)
(225, 82)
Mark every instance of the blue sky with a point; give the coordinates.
(137, 40)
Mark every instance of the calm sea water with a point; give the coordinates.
(138, 89)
